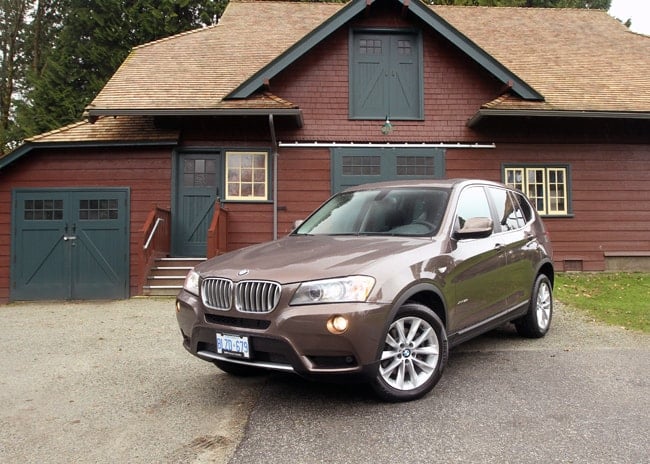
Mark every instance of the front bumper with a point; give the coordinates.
(290, 338)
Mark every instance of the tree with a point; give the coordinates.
(94, 39)
(12, 18)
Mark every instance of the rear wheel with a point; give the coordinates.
(537, 320)
(414, 355)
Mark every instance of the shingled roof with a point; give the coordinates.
(196, 70)
(578, 60)
(107, 131)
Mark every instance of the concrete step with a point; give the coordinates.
(155, 290)
(167, 276)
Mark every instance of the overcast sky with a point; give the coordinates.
(637, 10)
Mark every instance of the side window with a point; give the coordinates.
(471, 204)
(523, 208)
(510, 217)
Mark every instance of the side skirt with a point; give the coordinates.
(492, 323)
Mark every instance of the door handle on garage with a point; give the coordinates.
(69, 237)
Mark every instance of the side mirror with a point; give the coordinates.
(297, 223)
(476, 227)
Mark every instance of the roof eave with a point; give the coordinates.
(28, 146)
(295, 113)
(485, 113)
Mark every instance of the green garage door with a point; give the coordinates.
(70, 244)
(354, 166)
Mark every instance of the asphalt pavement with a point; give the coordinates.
(100, 382)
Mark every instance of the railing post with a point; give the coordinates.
(218, 231)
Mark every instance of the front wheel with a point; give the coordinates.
(413, 356)
(536, 322)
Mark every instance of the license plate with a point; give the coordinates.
(233, 345)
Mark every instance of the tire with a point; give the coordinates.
(536, 322)
(238, 370)
(414, 355)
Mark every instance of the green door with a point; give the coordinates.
(70, 244)
(197, 177)
(386, 76)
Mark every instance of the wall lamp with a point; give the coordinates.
(387, 128)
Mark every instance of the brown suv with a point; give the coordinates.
(377, 284)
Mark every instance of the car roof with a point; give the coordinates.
(448, 184)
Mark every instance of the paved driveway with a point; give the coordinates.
(110, 382)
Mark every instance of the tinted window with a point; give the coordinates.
(472, 203)
(509, 215)
(522, 206)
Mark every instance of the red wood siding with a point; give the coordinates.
(454, 89)
(304, 183)
(610, 191)
(146, 172)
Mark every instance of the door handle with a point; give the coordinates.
(69, 237)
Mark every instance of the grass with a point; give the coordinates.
(621, 299)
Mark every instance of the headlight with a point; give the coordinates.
(341, 290)
(192, 282)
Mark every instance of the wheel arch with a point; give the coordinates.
(547, 269)
(426, 294)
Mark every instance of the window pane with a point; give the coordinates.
(247, 176)
(103, 209)
(546, 187)
(556, 191)
(415, 166)
(43, 210)
(361, 165)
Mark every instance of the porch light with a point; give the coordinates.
(387, 128)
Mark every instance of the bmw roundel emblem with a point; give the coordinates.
(243, 272)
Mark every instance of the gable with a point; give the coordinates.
(549, 59)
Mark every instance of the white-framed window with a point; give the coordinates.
(247, 175)
(547, 187)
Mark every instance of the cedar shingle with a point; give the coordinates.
(579, 60)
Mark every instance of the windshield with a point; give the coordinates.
(400, 211)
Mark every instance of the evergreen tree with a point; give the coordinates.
(96, 37)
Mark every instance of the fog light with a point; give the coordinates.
(337, 325)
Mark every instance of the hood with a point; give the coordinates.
(309, 257)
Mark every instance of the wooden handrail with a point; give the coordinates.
(155, 240)
(218, 231)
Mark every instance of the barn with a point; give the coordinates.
(219, 138)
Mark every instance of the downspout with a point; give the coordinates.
(274, 147)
